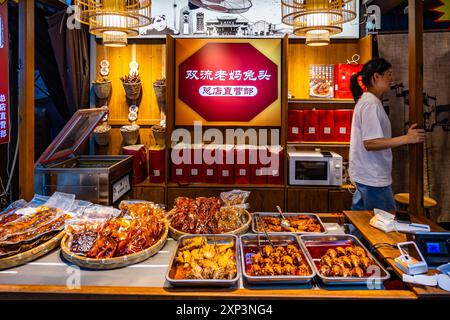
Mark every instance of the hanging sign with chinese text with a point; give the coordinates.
(230, 83)
(4, 78)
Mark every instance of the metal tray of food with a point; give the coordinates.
(276, 215)
(317, 246)
(249, 248)
(216, 241)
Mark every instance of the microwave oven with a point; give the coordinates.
(315, 168)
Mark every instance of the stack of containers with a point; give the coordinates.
(257, 163)
(226, 163)
(180, 156)
(276, 169)
(326, 125)
(311, 125)
(295, 124)
(210, 167)
(241, 164)
(343, 124)
(156, 159)
(196, 168)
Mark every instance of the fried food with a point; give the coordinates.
(138, 227)
(20, 233)
(205, 216)
(198, 259)
(300, 223)
(345, 262)
(278, 261)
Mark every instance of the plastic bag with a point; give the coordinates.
(62, 201)
(100, 212)
(234, 197)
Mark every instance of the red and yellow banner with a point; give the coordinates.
(228, 82)
(4, 79)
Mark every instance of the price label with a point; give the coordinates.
(120, 188)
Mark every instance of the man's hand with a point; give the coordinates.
(415, 135)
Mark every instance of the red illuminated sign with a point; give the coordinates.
(228, 82)
(4, 80)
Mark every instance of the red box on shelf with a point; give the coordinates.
(179, 157)
(326, 125)
(156, 164)
(241, 165)
(210, 168)
(226, 164)
(343, 124)
(342, 76)
(196, 168)
(295, 125)
(257, 163)
(276, 173)
(310, 125)
(139, 154)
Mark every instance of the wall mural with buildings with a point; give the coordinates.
(236, 18)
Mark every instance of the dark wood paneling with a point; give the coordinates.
(307, 200)
(339, 200)
(154, 194)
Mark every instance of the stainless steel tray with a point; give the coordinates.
(323, 242)
(251, 240)
(212, 238)
(289, 214)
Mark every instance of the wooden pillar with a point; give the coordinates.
(415, 8)
(26, 99)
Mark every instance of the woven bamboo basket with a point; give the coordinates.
(130, 137)
(112, 263)
(160, 92)
(33, 254)
(132, 90)
(103, 138)
(176, 234)
(103, 89)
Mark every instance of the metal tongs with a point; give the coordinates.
(284, 222)
(267, 235)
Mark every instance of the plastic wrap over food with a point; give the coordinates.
(234, 197)
(62, 201)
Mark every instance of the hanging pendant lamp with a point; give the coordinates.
(114, 20)
(317, 20)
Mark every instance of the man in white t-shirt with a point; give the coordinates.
(371, 138)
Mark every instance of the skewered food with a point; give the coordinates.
(300, 223)
(20, 232)
(206, 216)
(350, 261)
(198, 259)
(138, 227)
(279, 261)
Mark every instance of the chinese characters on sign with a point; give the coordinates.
(222, 75)
(228, 81)
(4, 80)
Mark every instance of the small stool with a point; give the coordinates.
(403, 200)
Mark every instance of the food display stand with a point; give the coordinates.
(52, 278)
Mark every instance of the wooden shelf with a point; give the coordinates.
(226, 186)
(318, 100)
(147, 183)
(319, 144)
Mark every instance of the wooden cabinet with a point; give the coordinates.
(307, 200)
(339, 200)
(148, 193)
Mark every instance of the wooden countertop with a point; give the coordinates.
(361, 221)
(122, 293)
(46, 278)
